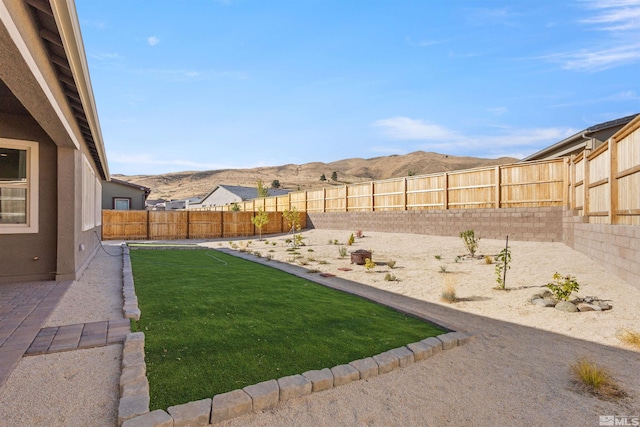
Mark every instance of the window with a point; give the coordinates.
(120, 204)
(18, 186)
(88, 195)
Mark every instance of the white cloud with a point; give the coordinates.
(404, 128)
(433, 137)
(621, 19)
(153, 40)
(498, 111)
(175, 164)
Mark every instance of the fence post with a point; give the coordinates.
(346, 198)
(585, 185)
(188, 224)
(498, 183)
(445, 189)
(404, 193)
(148, 225)
(324, 199)
(373, 199)
(613, 181)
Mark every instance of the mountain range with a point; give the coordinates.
(182, 185)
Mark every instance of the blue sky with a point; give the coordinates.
(216, 84)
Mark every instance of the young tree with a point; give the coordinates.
(334, 176)
(262, 190)
(323, 178)
(275, 183)
(260, 219)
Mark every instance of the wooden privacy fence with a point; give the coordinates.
(171, 225)
(518, 185)
(605, 184)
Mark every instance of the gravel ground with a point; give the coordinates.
(74, 388)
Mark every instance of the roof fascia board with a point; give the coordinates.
(16, 36)
(66, 17)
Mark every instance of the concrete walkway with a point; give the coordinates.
(24, 309)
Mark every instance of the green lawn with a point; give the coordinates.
(215, 323)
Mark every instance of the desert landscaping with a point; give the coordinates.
(516, 371)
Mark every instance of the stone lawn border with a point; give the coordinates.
(133, 409)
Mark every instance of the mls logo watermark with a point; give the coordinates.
(619, 420)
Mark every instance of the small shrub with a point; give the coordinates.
(457, 259)
(330, 242)
(290, 249)
(443, 268)
(268, 257)
(309, 250)
(368, 264)
(595, 379)
(351, 240)
(273, 243)
(438, 257)
(629, 337)
(258, 254)
(449, 291)
(342, 251)
(323, 262)
(313, 270)
(335, 242)
(488, 259)
(391, 263)
(470, 241)
(272, 250)
(303, 262)
(390, 277)
(234, 246)
(563, 286)
(311, 259)
(503, 263)
(266, 242)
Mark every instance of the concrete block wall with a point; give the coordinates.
(542, 224)
(615, 247)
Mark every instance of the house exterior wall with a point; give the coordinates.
(18, 251)
(221, 197)
(111, 190)
(542, 224)
(62, 244)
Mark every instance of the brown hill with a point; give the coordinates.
(181, 185)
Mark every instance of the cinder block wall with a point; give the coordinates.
(535, 224)
(615, 247)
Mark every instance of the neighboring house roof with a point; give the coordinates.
(246, 193)
(589, 138)
(146, 190)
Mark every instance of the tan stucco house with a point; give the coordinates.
(123, 196)
(52, 157)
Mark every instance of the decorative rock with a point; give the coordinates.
(434, 343)
(139, 386)
(547, 294)
(134, 341)
(367, 367)
(192, 414)
(320, 379)
(420, 350)
(449, 340)
(157, 418)
(604, 305)
(404, 355)
(543, 302)
(293, 386)
(386, 361)
(131, 373)
(132, 358)
(583, 306)
(229, 405)
(566, 306)
(344, 374)
(132, 406)
(263, 395)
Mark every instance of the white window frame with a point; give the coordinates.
(98, 203)
(88, 195)
(115, 202)
(32, 185)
